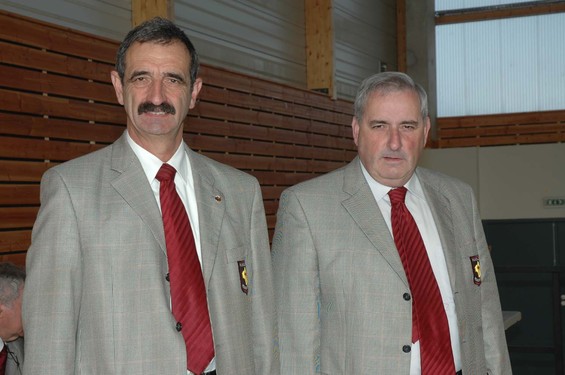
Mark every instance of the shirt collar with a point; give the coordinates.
(380, 191)
(151, 164)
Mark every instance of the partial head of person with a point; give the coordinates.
(390, 126)
(156, 82)
(12, 280)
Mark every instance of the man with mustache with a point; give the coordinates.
(382, 267)
(147, 257)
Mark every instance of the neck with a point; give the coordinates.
(163, 147)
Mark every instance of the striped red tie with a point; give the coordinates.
(429, 321)
(188, 292)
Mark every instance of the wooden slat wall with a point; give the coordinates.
(502, 129)
(57, 103)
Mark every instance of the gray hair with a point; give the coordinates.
(161, 31)
(12, 279)
(385, 83)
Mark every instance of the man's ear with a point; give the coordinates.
(118, 86)
(427, 127)
(195, 90)
(355, 130)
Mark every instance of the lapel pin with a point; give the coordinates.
(218, 198)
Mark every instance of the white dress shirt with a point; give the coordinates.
(184, 183)
(418, 206)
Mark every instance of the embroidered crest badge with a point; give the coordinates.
(243, 278)
(476, 269)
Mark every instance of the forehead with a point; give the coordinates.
(393, 101)
(151, 54)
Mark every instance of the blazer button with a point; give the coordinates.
(179, 326)
(406, 296)
(167, 277)
(406, 348)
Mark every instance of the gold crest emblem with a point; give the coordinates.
(476, 269)
(243, 277)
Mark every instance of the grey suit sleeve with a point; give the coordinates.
(297, 289)
(263, 304)
(53, 284)
(496, 349)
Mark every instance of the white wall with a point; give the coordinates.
(510, 181)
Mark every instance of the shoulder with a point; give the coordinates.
(441, 180)
(117, 155)
(219, 172)
(84, 165)
(323, 184)
(448, 186)
(321, 191)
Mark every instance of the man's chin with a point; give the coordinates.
(155, 122)
(155, 126)
(396, 179)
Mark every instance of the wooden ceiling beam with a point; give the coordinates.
(500, 12)
(143, 10)
(319, 46)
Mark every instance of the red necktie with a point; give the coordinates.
(429, 321)
(3, 359)
(188, 292)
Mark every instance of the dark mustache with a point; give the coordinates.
(150, 107)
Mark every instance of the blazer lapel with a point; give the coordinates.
(131, 183)
(441, 211)
(363, 208)
(211, 210)
(15, 360)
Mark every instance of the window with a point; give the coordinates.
(500, 66)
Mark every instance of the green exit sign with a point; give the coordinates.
(554, 202)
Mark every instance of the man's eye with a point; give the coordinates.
(173, 80)
(139, 80)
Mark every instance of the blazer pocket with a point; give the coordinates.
(236, 260)
(235, 254)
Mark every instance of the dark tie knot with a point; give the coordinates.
(397, 195)
(166, 173)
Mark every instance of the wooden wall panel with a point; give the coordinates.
(501, 129)
(57, 103)
(45, 60)
(26, 31)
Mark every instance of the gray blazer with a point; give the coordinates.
(15, 361)
(96, 300)
(339, 281)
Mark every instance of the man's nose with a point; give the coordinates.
(156, 93)
(394, 140)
